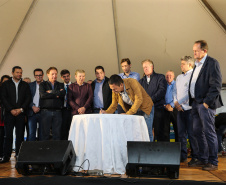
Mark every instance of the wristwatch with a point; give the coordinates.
(21, 109)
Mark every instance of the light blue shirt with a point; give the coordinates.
(196, 74)
(133, 75)
(180, 91)
(98, 101)
(169, 94)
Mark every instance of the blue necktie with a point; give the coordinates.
(67, 105)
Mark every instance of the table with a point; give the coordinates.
(102, 139)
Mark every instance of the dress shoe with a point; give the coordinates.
(5, 159)
(196, 163)
(210, 167)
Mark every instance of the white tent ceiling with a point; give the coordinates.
(76, 34)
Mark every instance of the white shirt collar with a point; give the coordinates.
(188, 72)
(67, 84)
(15, 81)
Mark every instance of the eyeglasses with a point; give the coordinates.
(38, 75)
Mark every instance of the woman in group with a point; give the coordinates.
(2, 133)
(80, 94)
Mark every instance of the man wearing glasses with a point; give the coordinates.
(34, 110)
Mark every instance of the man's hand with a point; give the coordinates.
(176, 104)
(102, 112)
(14, 112)
(205, 105)
(35, 109)
(82, 110)
(49, 91)
(168, 107)
(180, 108)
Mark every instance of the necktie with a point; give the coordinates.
(67, 105)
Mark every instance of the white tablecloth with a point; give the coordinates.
(102, 139)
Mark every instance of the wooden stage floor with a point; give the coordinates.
(186, 173)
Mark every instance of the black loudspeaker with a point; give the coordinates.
(45, 157)
(153, 159)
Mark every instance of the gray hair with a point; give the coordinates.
(189, 60)
(149, 61)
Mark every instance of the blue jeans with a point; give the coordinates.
(32, 125)
(51, 119)
(149, 121)
(185, 128)
(204, 130)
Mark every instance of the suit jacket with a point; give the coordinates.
(208, 84)
(9, 95)
(156, 88)
(137, 94)
(107, 93)
(53, 100)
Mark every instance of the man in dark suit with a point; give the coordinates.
(155, 85)
(101, 91)
(66, 111)
(204, 96)
(34, 116)
(16, 96)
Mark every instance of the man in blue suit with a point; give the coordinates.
(34, 110)
(155, 85)
(204, 97)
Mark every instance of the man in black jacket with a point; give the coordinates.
(66, 111)
(16, 96)
(52, 95)
(101, 90)
(155, 85)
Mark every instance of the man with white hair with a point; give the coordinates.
(155, 85)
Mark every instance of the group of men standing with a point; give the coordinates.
(189, 102)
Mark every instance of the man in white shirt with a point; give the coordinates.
(34, 110)
(181, 102)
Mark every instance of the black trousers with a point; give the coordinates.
(11, 122)
(2, 133)
(161, 129)
(171, 116)
(66, 123)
